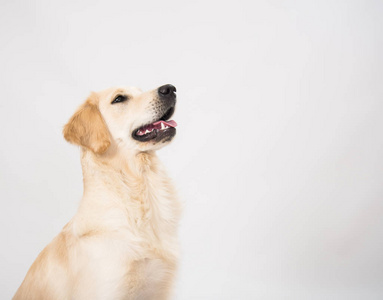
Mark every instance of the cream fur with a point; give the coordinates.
(122, 242)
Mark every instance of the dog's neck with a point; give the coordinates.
(112, 172)
(134, 182)
(128, 194)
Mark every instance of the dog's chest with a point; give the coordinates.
(153, 224)
(152, 208)
(141, 220)
(140, 255)
(147, 278)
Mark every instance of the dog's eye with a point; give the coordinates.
(120, 98)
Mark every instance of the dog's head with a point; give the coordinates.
(125, 117)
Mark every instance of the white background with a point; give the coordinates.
(278, 154)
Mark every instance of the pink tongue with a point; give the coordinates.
(170, 123)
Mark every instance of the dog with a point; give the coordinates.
(122, 242)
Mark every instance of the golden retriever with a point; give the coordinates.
(122, 242)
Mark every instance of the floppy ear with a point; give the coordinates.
(87, 128)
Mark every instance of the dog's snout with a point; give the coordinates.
(167, 90)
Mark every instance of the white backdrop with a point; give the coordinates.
(278, 155)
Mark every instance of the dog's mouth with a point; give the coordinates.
(161, 129)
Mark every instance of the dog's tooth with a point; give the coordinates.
(162, 126)
(146, 131)
(166, 127)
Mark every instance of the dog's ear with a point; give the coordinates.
(87, 128)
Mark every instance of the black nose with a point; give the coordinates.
(167, 90)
